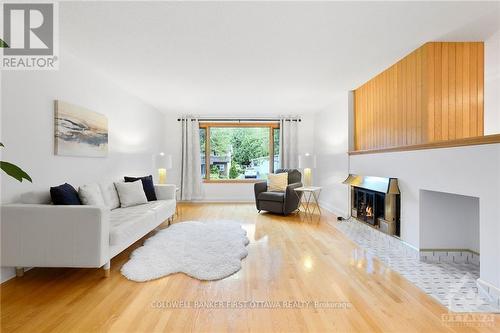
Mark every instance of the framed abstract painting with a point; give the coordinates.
(79, 132)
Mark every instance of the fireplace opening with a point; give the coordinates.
(368, 205)
(449, 222)
(376, 201)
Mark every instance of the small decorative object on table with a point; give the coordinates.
(311, 195)
(307, 162)
(163, 163)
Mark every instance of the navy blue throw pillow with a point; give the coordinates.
(147, 185)
(64, 194)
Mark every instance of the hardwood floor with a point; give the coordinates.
(290, 259)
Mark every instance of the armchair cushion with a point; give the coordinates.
(272, 196)
(277, 181)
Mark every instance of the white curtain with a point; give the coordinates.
(289, 131)
(191, 160)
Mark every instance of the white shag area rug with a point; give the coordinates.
(203, 250)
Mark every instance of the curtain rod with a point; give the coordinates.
(239, 120)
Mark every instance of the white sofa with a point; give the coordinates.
(46, 235)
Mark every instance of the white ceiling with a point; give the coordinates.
(257, 58)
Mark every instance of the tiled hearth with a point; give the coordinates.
(448, 277)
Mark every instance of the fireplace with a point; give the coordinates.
(376, 201)
(367, 205)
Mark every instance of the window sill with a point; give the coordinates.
(232, 181)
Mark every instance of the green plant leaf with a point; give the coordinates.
(1, 145)
(3, 44)
(14, 171)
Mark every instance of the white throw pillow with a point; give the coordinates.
(131, 194)
(277, 181)
(91, 194)
(110, 195)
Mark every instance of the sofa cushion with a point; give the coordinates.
(91, 194)
(133, 222)
(147, 185)
(64, 194)
(272, 196)
(163, 209)
(130, 224)
(131, 194)
(110, 195)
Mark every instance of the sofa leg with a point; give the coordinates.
(106, 268)
(19, 271)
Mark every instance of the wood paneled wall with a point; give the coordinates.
(433, 94)
(454, 90)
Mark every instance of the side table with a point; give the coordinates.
(311, 195)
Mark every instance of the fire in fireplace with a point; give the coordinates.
(367, 205)
(376, 201)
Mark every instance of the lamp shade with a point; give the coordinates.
(163, 161)
(307, 161)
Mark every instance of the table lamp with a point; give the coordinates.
(163, 163)
(307, 162)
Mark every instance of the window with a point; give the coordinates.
(238, 152)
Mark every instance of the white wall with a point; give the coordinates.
(27, 124)
(472, 171)
(331, 142)
(492, 85)
(173, 147)
(225, 192)
(448, 221)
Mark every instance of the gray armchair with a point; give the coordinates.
(279, 202)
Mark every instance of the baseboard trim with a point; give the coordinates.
(13, 274)
(245, 201)
(408, 244)
(489, 290)
(335, 211)
(450, 255)
(450, 250)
